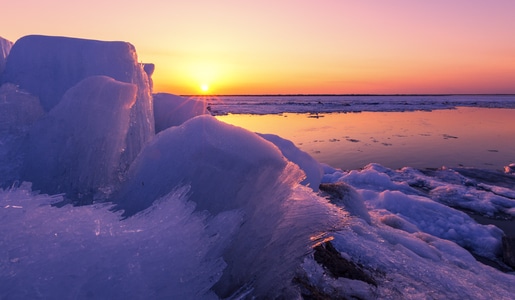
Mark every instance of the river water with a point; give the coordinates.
(465, 136)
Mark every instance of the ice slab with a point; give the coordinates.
(47, 66)
(77, 148)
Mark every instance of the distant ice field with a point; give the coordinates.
(396, 131)
(220, 105)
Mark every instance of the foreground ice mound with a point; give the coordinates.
(48, 66)
(231, 169)
(5, 48)
(77, 147)
(210, 156)
(171, 110)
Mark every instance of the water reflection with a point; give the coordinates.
(471, 137)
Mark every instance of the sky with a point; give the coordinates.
(295, 47)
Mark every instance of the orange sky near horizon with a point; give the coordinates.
(296, 47)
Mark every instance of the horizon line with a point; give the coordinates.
(359, 94)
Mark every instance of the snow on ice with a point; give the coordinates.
(208, 210)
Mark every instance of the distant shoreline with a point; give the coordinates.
(344, 95)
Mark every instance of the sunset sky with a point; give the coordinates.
(285, 46)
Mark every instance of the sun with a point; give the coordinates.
(204, 88)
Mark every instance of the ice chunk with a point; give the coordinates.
(77, 148)
(376, 177)
(483, 192)
(211, 156)
(308, 164)
(443, 222)
(232, 169)
(171, 110)
(48, 66)
(5, 48)
(386, 190)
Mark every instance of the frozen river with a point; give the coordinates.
(466, 136)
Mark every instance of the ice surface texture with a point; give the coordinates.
(48, 66)
(77, 147)
(86, 252)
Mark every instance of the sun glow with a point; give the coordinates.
(204, 88)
